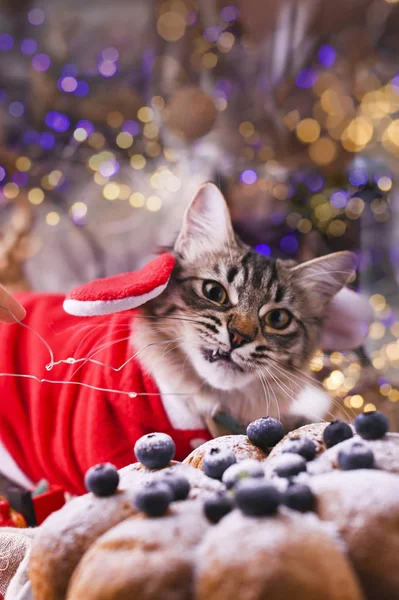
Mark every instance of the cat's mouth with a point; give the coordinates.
(221, 357)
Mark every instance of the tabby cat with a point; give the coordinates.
(237, 329)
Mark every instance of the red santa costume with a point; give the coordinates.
(56, 423)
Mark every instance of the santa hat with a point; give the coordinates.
(121, 292)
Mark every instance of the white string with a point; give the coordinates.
(72, 360)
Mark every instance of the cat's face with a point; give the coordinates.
(239, 315)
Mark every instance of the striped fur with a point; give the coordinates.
(258, 369)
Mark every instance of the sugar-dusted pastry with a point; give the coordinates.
(281, 557)
(143, 558)
(239, 445)
(200, 484)
(65, 536)
(385, 452)
(364, 506)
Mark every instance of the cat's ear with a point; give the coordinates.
(347, 314)
(206, 224)
(326, 275)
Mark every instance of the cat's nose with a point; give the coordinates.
(238, 338)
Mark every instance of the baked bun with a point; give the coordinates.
(313, 431)
(364, 506)
(282, 557)
(200, 484)
(238, 444)
(143, 558)
(385, 451)
(64, 537)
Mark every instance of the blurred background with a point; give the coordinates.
(112, 114)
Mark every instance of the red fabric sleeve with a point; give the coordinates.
(58, 430)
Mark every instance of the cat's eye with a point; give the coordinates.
(215, 292)
(279, 318)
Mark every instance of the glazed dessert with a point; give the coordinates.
(317, 516)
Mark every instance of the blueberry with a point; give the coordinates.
(289, 465)
(154, 498)
(242, 470)
(102, 479)
(358, 456)
(217, 505)
(299, 497)
(257, 498)
(217, 460)
(336, 432)
(178, 484)
(155, 450)
(303, 446)
(265, 432)
(372, 425)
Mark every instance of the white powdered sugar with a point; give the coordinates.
(136, 475)
(385, 451)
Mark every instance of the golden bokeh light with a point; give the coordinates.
(153, 203)
(308, 131)
(23, 163)
(171, 26)
(36, 196)
(52, 218)
(323, 151)
(137, 200)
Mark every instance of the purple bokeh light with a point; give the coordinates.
(191, 18)
(82, 89)
(20, 178)
(2, 173)
(131, 127)
(212, 33)
(229, 13)
(69, 70)
(289, 244)
(16, 109)
(107, 68)
(31, 137)
(28, 46)
(86, 125)
(315, 182)
(263, 249)
(358, 177)
(6, 41)
(36, 16)
(327, 55)
(47, 141)
(110, 54)
(306, 78)
(57, 121)
(67, 84)
(339, 199)
(41, 62)
(248, 176)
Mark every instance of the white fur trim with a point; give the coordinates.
(11, 470)
(91, 308)
(312, 403)
(179, 413)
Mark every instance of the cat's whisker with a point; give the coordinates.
(263, 386)
(295, 399)
(273, 392)
(337, 403)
